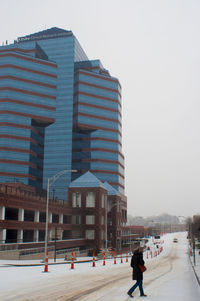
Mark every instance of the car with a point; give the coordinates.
(156, 239)
(175, 240)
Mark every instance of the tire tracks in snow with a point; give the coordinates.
(164, 262)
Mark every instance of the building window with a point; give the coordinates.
(76, 199)
(90, 199)
(90, 219)
(103, 200)
(11, 214)
(55, 218)
(66, 219)
(76, 219)
(67, 234)
(28, 236)
(28, 216)
(103, 220)
(42, 217)
(89, 234)
(110, 221)
(76, 233)
(102, 234)
(41, 235)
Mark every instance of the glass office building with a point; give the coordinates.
(97, 123)
(27, 106)
(85, 130)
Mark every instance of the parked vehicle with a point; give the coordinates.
(157, 239)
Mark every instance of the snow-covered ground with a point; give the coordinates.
(169, 277)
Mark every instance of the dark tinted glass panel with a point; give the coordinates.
(28, 215)
(11, 214)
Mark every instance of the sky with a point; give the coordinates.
(153, 48)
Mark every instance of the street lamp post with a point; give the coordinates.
(50, 182)
(106, 223)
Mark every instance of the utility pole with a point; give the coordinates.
(55, 244)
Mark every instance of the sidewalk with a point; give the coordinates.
(196, 267)
(41, 263)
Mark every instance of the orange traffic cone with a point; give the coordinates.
(126, 257)
(121, 258)
(115, 258)
(72, 261)
(104, 259)
(46, 262)
(93, 262)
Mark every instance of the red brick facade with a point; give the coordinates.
(23, 217)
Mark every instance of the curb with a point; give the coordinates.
(195, 273)
(41, 264)
(52, 263)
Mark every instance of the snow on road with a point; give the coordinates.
(169, 277)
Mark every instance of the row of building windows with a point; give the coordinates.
(12, 236)
(29, 216)
(90, 200)
(90, 220)
(90, 234)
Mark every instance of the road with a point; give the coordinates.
(169, 277)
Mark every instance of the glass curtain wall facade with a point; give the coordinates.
(87, 132)
(61, 47)
(97, 124)
(27, 107)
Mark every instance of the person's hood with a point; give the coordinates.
(137, 252)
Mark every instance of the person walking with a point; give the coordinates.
(136, 260)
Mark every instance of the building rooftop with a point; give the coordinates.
(111, 190)
(87, 180)
(53, 32)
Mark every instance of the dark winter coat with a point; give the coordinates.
(137, 259)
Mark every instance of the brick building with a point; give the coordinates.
(92, 218)
(98, 211)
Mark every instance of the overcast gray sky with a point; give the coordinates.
(153, 47)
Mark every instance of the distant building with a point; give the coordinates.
(131, 233)
(196, 226)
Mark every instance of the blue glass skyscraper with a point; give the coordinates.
(97, 123)
(27, 106)
(86, 134)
